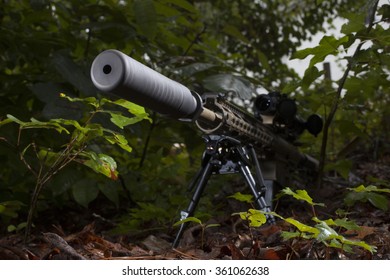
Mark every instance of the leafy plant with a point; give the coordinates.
(45, 162)
(372, 194)
(199, 222)
(322, 231)
(363, 81)
(9, 209)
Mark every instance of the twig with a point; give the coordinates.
(196, 39)
(60, 243)
(184, 254)
(146, 146)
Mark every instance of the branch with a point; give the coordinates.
(337, 98)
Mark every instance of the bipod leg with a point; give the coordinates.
(199, 183)
(258, 188)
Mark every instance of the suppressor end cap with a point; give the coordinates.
(108, 70)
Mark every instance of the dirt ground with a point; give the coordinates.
(232, 239)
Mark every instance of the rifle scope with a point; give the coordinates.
(113, 71)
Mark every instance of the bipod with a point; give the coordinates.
(226, 155)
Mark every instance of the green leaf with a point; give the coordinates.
(370, 188)
(5, 121)
(64, 181)
(122, 121)
(353, 197)
(348, 126)
(101, 163)
(311, 74)
(234, 32)
(187, 220)
(327, 46)
(263, 60)
(355, 23)
(38, 124)
(88, 100)
(344, 223)
(302, 227)
(146, 17)
(85, 191)
(300, 195)
(362, 244)
(185, 5)
(11, 228)
(119, 140)
(133, 108)
(242, 197)
(72, 73)
(287, 235)
(291, 86)
(370, 193)
(10, 208)
(325, 232)
(110, 191)
(343, 167)
(19, 227)
(47, 156)
(378, 200)
(256, 218)
(347, 224)
(212, 225)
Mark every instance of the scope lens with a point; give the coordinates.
(266, 105)
(262, 103)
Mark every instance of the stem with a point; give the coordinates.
(202, 237)
(34, 199)
(61, 162)
(146, 146)
(314, 211)
(195, 40)
(335, 105)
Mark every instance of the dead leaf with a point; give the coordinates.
(361, 233)
(236, 252)
(156, 245)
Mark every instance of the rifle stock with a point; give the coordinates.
(117, 73)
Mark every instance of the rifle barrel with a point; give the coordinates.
(113, 71)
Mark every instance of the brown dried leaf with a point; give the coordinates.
(156, 245)
(236, 253)
(361, 233)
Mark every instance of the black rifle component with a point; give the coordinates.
(117, 73)
(235, 140)
(281, 112)
(226, 155)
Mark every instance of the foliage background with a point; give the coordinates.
(47, 48)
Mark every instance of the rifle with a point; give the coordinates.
(236, 141)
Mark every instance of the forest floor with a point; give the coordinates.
(232, 239)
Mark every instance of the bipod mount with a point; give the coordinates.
(227, 155)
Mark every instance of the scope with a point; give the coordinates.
(283, 111)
